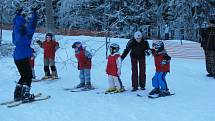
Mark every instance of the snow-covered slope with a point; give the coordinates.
(193, 100)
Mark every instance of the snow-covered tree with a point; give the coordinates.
(50, 24)
(122, 17)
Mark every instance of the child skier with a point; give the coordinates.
(50, 46)
(84, 65)
(162, 64)
(113, 69)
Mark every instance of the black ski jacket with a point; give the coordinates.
(138, 50)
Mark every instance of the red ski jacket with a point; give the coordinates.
(50, 48)
(112, 65)
(83, 61)
(162, 61)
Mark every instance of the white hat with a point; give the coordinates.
(138, 35)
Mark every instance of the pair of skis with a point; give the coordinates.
(12, 103)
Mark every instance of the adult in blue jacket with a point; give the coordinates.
(22, 35)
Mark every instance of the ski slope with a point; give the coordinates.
(194, 98)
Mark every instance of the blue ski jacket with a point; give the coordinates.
(22, 35)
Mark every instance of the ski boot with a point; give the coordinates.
(154, 91)
(88, 85)
(18, 92)
(47, 73)
(134, 89)
(80, 85)
(26, 96)
(54, 75)
(164, 93)
(142, 88)
(45, 77)
(112, 89)
(119, 90)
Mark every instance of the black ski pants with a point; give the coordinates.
(138, 81)
(25, 71)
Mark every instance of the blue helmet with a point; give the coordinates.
(159, 46)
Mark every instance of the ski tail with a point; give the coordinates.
(12, 101)
(35, 100)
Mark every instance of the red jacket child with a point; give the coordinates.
(84, 61)
(50, 48)
(162, 61)
(112, 68)
(162, 64)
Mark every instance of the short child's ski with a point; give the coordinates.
(36, 80)
(69, 89)
(12, 101)
(35, 100)
(157, 96)
(82, 89)
(104, 92)
(48, 79)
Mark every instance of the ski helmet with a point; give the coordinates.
(50, 35)
(114, 48)
(77, 45)
(159, 46)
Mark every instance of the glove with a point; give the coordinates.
(148, 52)
(38, 41)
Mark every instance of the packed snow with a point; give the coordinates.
(193, 100)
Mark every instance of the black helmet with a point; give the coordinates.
(50, 35)
(114, 48)
(74, 45)
(159, 46)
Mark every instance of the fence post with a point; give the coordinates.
(107, 43)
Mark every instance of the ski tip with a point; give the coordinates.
(139, 95)
(49, 96)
